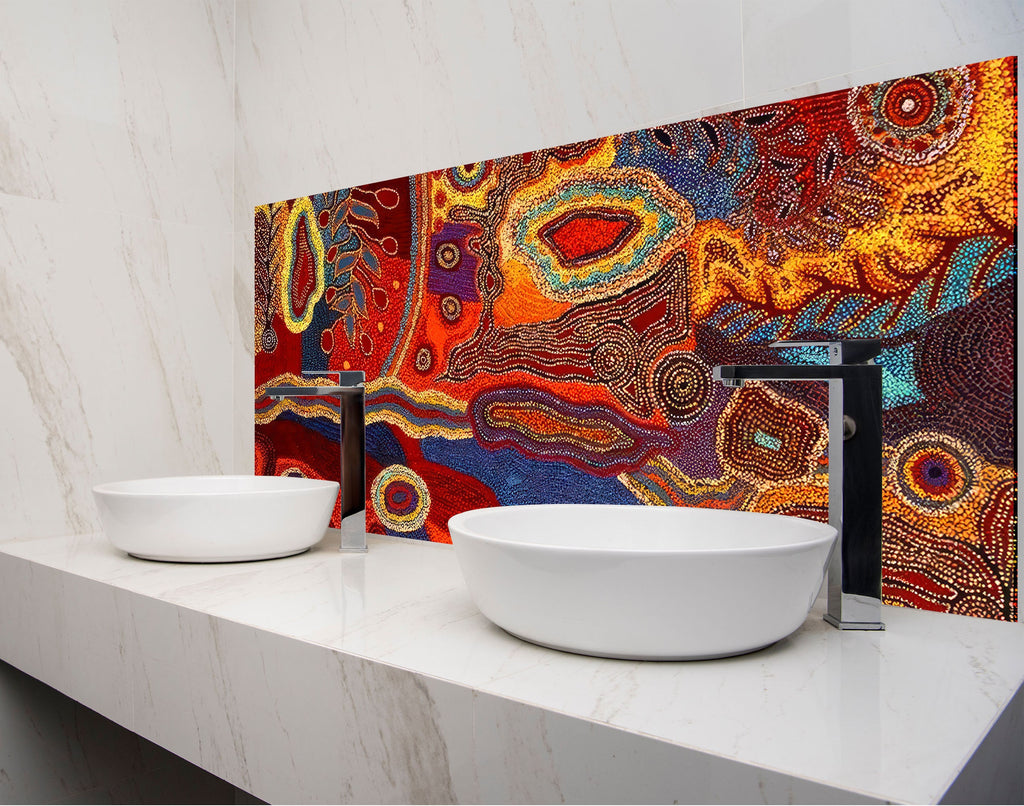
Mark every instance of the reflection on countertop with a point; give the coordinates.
(297, 679)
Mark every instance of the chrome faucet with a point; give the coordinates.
(855, 469)
(352, 421)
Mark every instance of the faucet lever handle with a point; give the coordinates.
(841, 351)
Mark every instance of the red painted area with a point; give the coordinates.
(581, 236)
(285, 446)
(921, 583)
(303, 276)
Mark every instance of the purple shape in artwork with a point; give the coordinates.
(452, 265)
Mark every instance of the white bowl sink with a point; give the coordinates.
(214, 519)
(642, 582)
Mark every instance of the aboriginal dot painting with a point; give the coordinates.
(541, 327)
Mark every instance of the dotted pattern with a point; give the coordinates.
(542, 327)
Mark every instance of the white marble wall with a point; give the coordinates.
(116, 316)
(334, 94)
(120, 209)
(116, 313)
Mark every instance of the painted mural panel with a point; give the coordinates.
(541, 327)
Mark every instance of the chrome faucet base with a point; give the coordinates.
(347, 544)
(853, 625)
(353, 532)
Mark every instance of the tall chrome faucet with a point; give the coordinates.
(855, 469)
(352, 421)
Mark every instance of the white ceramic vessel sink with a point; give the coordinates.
(641, 582)
(210, 519)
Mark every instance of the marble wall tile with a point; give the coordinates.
(324, 90)
(119, 105)
(513, 76)
(116, 138)
(898, 65)
(115, 340)
(790, 44)
(334, 95)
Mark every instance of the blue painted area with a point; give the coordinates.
(807, 319)
(382, 445)
(916, 312)
(416, 419)
(418, 534)
(963, 265)
(727, 308)
(766, 440)
(845, 310)
(736, 327)
(871, 326)
(406, 404)
(768, 332)
(899, 381)
(1004, 268)
(517, 479)
(656, 491)
(804, 355)
(704, 175)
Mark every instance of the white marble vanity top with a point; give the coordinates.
(890, 716)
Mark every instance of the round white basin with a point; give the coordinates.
(209, 519)
(641, 582)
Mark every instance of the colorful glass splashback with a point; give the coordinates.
(541, 327)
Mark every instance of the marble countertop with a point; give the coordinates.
(822, 715)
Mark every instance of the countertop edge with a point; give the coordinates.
(109, 629)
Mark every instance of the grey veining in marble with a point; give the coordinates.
(373, 678)
(119, 106)
(115, 246)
